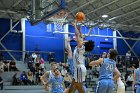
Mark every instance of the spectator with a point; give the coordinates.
(15, 79)
(34, 57)
(128, 55)
(38, 75)
(63, 71)
(1, 67)
(51, 57)
(1, 83)
(23, 78)
(104, 55)
(26, 59)
(30, 78)
(32, 69)
(42, 62)
(67, 80)
(129, 80)
(12, 66)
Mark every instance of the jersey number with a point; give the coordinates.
(109, 67)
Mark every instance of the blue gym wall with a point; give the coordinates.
(13, 41)
(45, 40)
(123, 48)
(101, 44)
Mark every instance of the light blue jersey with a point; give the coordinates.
(137, 75)
(107, 69)
(137, 80)
(106, 83)
(57, 84)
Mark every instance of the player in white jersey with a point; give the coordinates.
(78, 59)
(47, 75)
(120, 86)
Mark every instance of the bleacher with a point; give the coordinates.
(91, 82)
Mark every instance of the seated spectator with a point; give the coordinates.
(32, 69)
(42, 62)
(129, 80)
(26, 59)
(38, 75)
(6, 66)
(1, 83)
(23, 78)
(15, 79)
(30, 78)
(34, 57)
(63, 71)
(67, 80)
(1, 67)
(12, 66)
(30, 62)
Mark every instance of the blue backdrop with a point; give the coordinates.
(47, 41)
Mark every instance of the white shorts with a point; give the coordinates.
(80, 73)
(121, 88)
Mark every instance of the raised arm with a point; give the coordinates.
(97, 62)
(69, 51)
(78, 35)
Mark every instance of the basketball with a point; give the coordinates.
(80, 16)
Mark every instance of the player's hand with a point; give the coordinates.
(45, 83)
(74, 23)
(68, 39)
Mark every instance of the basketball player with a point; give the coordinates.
(78, 59)
(70, 60)
(47, 75)
(137, 79)
(120, 86)
(108, 66)
(57, 82)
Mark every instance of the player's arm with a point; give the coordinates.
(42, 78)
(117, 74)
(134, 81)
(97, 62)
(77, 33)
(69, 49)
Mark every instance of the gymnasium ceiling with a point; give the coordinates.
(122, 14)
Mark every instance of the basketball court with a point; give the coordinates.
(34, 34)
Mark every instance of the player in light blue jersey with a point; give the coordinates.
(108, 67)
(137, 79)
(57, 82)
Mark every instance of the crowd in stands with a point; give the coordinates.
(36, 68)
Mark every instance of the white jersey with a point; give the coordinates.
(121, 86)
(79, 64)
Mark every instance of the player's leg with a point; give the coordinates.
(72, 87)
(110, 86)
(79, 87)
(138, 89)
(102, 86)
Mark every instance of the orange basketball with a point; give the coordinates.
(80, 16)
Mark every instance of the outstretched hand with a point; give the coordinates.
(74, 23)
